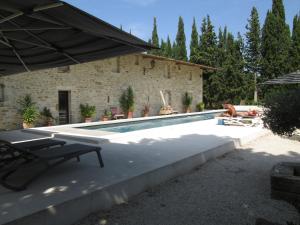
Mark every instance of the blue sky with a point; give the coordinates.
(137, 15)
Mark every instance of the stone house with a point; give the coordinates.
(101, 83)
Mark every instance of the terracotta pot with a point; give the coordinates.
(129, 115)
(188, 110)
(27, 125)
(104, 118)
(49, 123)
(88, 120)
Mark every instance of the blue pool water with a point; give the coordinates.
(124, 127)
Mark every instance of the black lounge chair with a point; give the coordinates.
(48, 158)
(33, 145)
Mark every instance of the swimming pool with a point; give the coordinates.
(124, 127)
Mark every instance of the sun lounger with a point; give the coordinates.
(33, 145)
(27, 161)
(239, 121)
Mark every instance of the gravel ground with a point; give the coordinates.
(231, 190)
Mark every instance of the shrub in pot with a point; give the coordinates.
(28, 111)
(87, 112)
(107, 115)
(200, 106)
(47, 116)
(127, 102)
(30, 115)
(146, 110)
(187, 102)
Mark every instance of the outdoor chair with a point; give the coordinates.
(39, 144)
(116, 114)
(15, 160)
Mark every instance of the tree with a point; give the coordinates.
(208, 44)
(281, 112)
(253, 49)
(155, 39)
(295, 46)
(163, 48)
(275, 43)
(181, 52)
(169, 50)
(194, 42)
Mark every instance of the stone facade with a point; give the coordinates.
(101, 83)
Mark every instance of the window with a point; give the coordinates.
(63, 69)
(1, 92)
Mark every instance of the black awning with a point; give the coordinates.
(292, 78)
(40, 34)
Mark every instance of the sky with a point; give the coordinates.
(137, 15)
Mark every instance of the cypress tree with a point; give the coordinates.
(155, 39)
(169, 50)
(253, 43)
(275, 43)
(181, 53)
(194, 42)
(295, 47)
(233, 71)
(253, 50)
(163, 48)
(207, 53)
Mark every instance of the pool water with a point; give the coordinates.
(124, 127)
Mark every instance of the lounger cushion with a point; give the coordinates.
(66, 151)
(39, 144)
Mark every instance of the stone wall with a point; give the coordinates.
(101, 83)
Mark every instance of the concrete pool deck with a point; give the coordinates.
(134, 162)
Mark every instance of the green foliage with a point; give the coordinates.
(25, 103)
(187, 100)
(46, 112)
(295, 46)
(30, 114)
(127, 100)
(207, 52)
(155, 39)
(282, 111)
(87, 111)
(169, 51)
(275, 43)
(194, 42)
(200, 106)
(180, 49)
(107, 113)
(28, 109)
(253, 44)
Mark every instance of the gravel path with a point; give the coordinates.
(231, 190)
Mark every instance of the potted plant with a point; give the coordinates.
(28, 111)
(127, 102)
(87, 111)
(146, 110)
(200, 106)
(30, 115)
(187, 102)
(47, 116)
(107, 115)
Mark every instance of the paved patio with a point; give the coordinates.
(134, 162)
